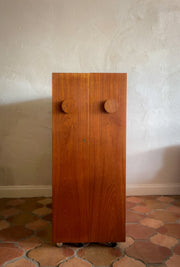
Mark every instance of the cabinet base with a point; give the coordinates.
(108, 244)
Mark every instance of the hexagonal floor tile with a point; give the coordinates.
(173, 261)
(164, 216)
(166, 199)
(155, 204)
(132, 217)
(9, 252)
(42, 211)
(21, 263)
(174, 209)
(128, 262)
(153, 223)
(139, 231)
(30, 204)
(45, 234)
(128, 243)
(99, 255)
(141, 209)
(37, 225)
(172, 229)
(14, 233)
(75, 262)
(9, 212)
(22, 218)
(15, 202)
(163, 240)
(148, 252)
(29, 243)
(50, 255)
(130, 205)
(45, 201)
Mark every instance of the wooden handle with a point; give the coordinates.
(68, 106)
(110, 106)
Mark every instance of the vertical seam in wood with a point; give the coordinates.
(89, 147)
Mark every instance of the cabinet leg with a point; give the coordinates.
(108, 244)
(59, 245)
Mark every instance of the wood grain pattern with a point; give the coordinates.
(89, 158)
(107, 158)
(70, 158)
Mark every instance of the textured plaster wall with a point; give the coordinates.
(140, 37)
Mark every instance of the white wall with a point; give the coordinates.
(140, 37)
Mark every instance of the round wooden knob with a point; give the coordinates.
(68, 106)
(110, 106)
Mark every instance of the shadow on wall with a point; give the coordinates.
(26, 154)
(25, 143)
(155, 166)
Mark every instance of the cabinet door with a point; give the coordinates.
(107, 156)
(70, 157)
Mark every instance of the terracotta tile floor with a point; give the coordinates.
(153, 236)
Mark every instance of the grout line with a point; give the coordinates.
(82, 258)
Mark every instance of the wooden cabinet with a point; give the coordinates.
(89, 157)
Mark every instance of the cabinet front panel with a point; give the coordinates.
(107, 156)
(70, 157)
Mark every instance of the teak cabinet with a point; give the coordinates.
(89, 157)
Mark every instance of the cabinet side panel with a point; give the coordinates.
(70, 133)
(107, 157)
